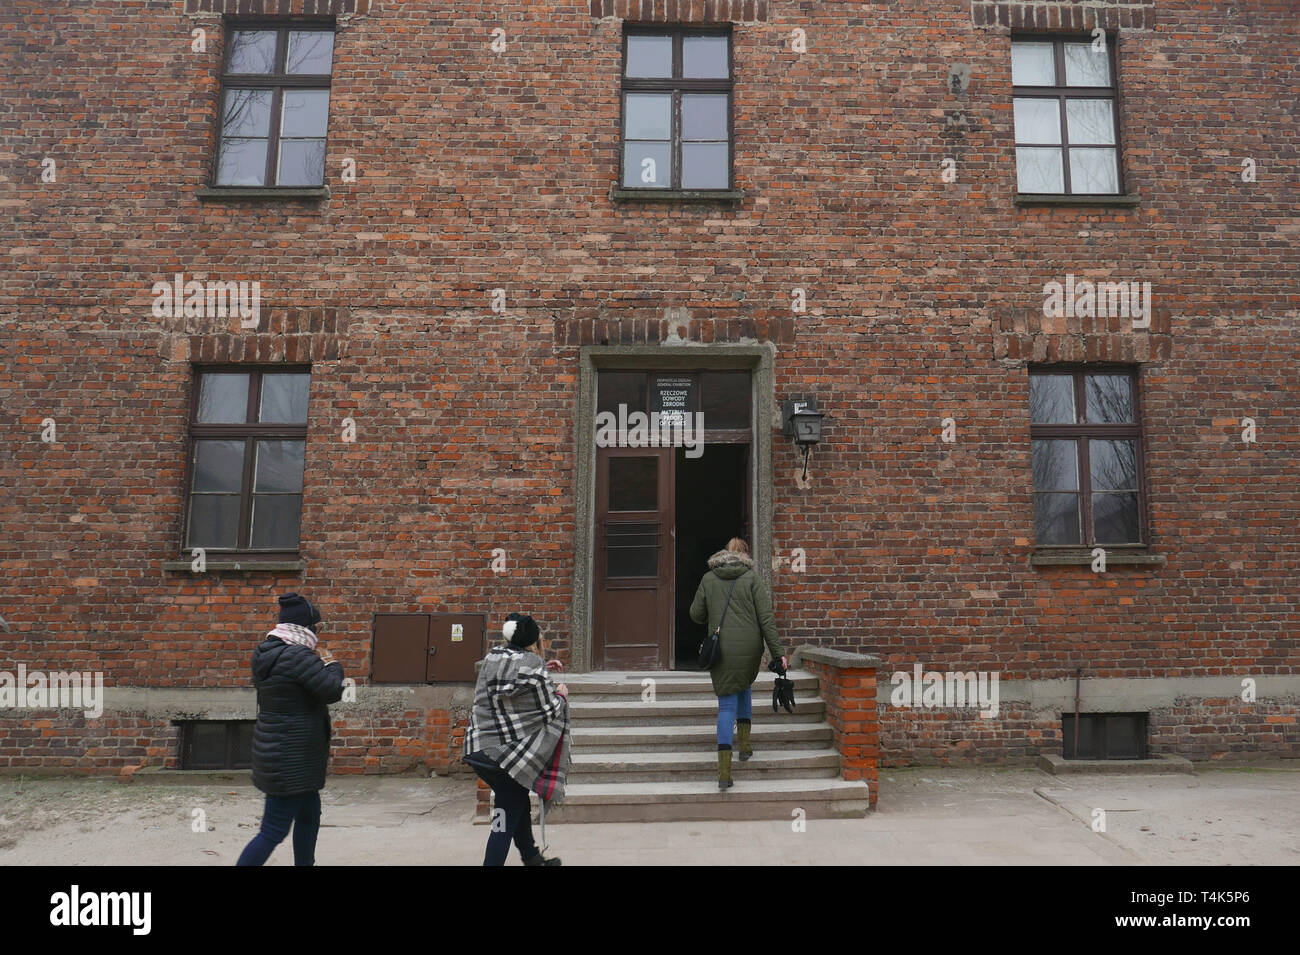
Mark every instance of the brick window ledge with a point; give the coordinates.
(242, 564)
(269, 193)
(1124, 200)
(727, 196)
(1083, 556)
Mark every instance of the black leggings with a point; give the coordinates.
(512, 817)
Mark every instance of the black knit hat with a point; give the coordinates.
(521, 630)
(295, 608)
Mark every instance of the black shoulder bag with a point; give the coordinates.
(711, 647)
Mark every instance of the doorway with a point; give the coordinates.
(711, 494)
(664, 503)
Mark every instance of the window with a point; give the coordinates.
(676, 110)
(724, 398)
(1087, 457)
(275, 98)
(1066, 123)
(216, 744)
(1104, 736)
(248, 435)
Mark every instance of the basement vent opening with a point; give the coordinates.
(1105, 736)
(217, 744)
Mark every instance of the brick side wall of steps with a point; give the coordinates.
(848, 687)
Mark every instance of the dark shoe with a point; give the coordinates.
(724, 768)
(743, 743)
(538, 860)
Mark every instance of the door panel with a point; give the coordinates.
(633, 558)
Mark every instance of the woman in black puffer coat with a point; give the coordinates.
(292, 737)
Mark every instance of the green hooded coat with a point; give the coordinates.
(749, 624)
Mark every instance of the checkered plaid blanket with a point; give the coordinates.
(520, 722)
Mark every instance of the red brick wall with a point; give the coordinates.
(1206, 730)
(480, 171)
(57, 741)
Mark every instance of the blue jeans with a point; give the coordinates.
(732, 707)
(302, 812)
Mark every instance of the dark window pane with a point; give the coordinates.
(243, 162)
(1124, 736)
(247, 113)
(1037, 120)
(284, 397)
(1032, 64)
(1039, 169)
(616, 388)
(279, 466)
(631, 550)
(302, 162)
(648, 115)
(647, 165)
(1056, 465)
(1110, 398)
(251, 51)
(305, 113)
(275, 521)
(241, 744)
(310, 51)
(650, 56)
(1086, 747)
(205, 745)
(218, 466)
(726, 399)
(1115, 518)
(1094, 171)
(1056, 518)
(705, 57)
(223, 399)
(1051, 399)
(1090, 121)
(1085, 66)
(633, 484)
(704, 116)
(1113, 465)
(214, 521)
(704, 166)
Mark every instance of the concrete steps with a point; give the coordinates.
(683, 800)
(644, 749)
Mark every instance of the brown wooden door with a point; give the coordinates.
(632, 612)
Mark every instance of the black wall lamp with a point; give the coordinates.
(801, 421)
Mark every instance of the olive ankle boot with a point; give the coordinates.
(743, 744)
(724, 766)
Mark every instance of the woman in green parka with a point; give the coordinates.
(747, 627)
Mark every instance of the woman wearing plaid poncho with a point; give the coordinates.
(518, 738)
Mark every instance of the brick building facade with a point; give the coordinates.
(472, 265)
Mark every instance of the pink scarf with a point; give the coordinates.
(292, 633)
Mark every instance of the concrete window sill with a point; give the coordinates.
(1128, 200)
(727, 196)
(1050, 558)
(242, 565)
(267, 193)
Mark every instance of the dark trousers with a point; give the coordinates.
(302, 812)
(512, 817)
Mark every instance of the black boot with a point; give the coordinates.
(539, 860)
